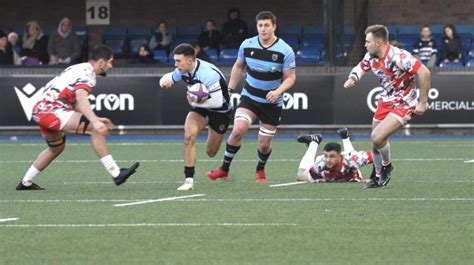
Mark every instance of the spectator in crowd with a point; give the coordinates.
(35, 45)
(425, 48)
(200, 53)
(234, 31)
(13, 40)
(145, 55)
(161, 38)
(63, 45)
(210, 37)
(6, 51)
(452, 46)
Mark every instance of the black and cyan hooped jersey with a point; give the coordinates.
(265, 67)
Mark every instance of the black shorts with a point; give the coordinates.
(218, 121)
(266, 113)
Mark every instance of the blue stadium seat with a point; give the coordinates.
(160, 55)
(312, 30)
(450, 64)
(81, 32)
(292, 40)
(189, 31)
(465, 40)
(308, 55)
(228, 56)
(465, 28)
(409, 29)
(312, 41)
(470, 62)
(471, 53)
(117, 46)
(184, 39)
(407, 41)
(135, 45)
(139, 32)
(289, 30)
(392, 30)
(114, 32)
(212, 53)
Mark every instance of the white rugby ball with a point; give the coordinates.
(198, 93)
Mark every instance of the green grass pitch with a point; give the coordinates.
(424, 216)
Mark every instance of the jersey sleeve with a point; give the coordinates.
(407, 62)
(176, 75)
(212, 82)
(365, 63)
(240, 54)
(289, 63)
(85, 82)
(358, 159)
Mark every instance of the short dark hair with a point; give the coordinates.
(378, 31)
(266, 15)
(101, 51)
(332, 147)
(184, 49)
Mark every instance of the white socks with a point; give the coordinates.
(308, 159)
(385, 154)
(109, 163)
(30, 176)
(347, 145)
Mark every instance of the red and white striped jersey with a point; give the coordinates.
(348, 169)
(396, 71)
(60, 92)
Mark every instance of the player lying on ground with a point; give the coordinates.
(333, 165)
(214, 110)
(65, 108)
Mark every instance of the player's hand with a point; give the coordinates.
(272, 96)
(420, 108)
(100, 127)
(350, 83)
(108, 123)
(166, 81)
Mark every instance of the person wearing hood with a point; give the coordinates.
(64, 44)
(17, 51)
(6, 51)
(234, 31)
(35, 44)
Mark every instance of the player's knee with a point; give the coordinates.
(376, 139)
(211, 152)
(302, 174)
(189, 138)
(264, 147)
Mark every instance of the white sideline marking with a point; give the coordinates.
(469, 161)
(8, 220)
(237, 200)
(144, 225)
(219, 160)
(288, 184)
(159, 200)
(128, 182)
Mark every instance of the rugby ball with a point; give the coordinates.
(198, 93)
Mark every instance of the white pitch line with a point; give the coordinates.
(288, 184)
(159, 200)
(8, 220)
(128, 182)
(143, 225)
(469, 161)
(189, 199)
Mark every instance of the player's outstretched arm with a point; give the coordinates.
(355, 75)
(166, 81)
(236, 74)
(424, 77)
(84, 107)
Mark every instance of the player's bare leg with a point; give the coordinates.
(265, 136)
(380, 142)
(242, 121)
(78, 124)
(192, 127)
(56, 144)
(213, 143)
(307, 161)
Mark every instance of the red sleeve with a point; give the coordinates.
(87, 88)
